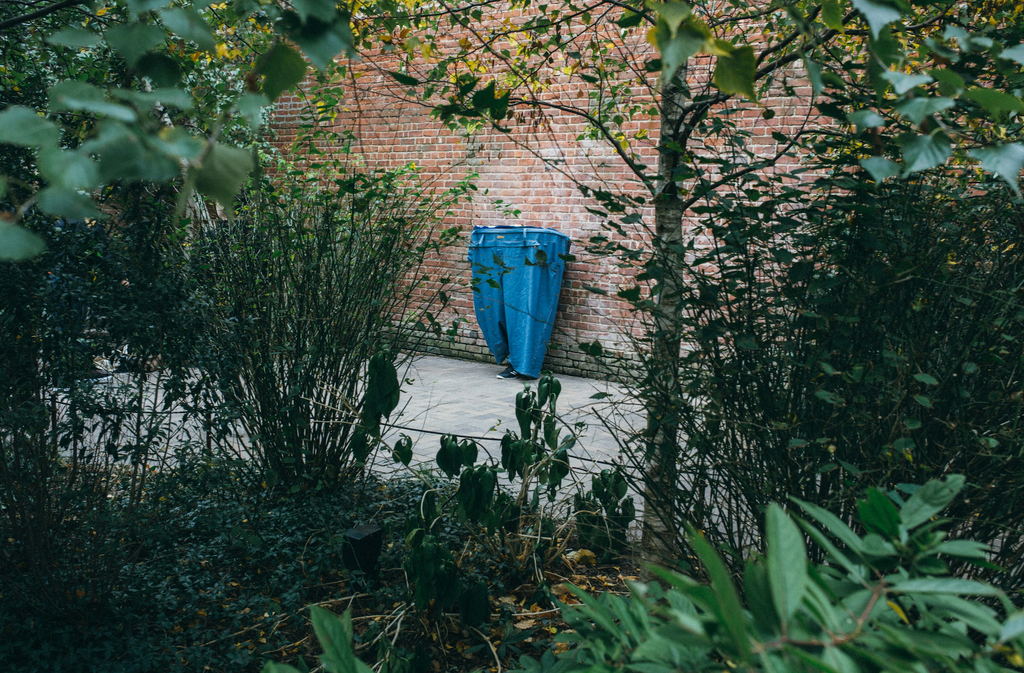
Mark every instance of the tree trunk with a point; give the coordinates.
(663, 389)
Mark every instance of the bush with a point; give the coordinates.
(307, 285)
(829, 340)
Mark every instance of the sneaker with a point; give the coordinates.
(509, 373)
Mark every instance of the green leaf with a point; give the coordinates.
(1013, 54)
(143, 6)
(950, 83)
(677, 47)
(321, 42)
(449, 456)
(324, 10)
(163, 70)
(189, 24)
(382, 392)
(18, 243)
(20, 125)
(79, 96)
(223, 171)
(916, 110)
(250, 105)
(923, 152)
(927, 379)
(125, 155)
(1006, 161)
(946, 585)
(878, 13)
(69, 169)
(284, 69)
(866, 119)
(335, 636)
(133, 41)
(880, 168)
(62, 202)
(903, 82)
(997, 103)
(734, 73)
(630, 19)
(1013, 628)
(75, 38)
(402, 450)
(878, 514)
(727, 601)
(787, 562)
(148, 99)
(924, 401)
(930, 499)
(402, 78)
(832, 14)
(967, 549)
(833, 524)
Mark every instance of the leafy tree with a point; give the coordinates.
(142, 91)
(899, 89)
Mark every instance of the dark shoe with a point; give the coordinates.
(508, 374)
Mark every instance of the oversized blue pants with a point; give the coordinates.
(517, 277)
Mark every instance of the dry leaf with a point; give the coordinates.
(525, 624)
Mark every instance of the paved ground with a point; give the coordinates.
(443, 395)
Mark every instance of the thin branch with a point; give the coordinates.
(39, 13)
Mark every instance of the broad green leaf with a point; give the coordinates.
(814, 75)
(250, 105)
(903, 82)
(147, 99)
(787, 562)
(866, 119)
(1006, 161)
(879, 514)
(922, 152)
(1013, 627)
(945, 585)
(321, 42)
(133, 41)
(179, 143)
(630, 19)
(930, 499)
(75, 38)
(61, 202)
(189, 24)
(402, 450)
(916, 110)
(963, 549)
(402, 78)
(18, 243)
(673, 14)
(734, 73)
(163, 70)
(832, 14)
(382, 392)
(950, 83)
(1013, 54)
(997, 103)
(927, 379)
(677, 49)
(324, 10)
(223, 171)
(833, 524)
(878, 13)
(335, 636)
(69, 169)
(727, 601)
(79, 96)
(924, 401)
(143, 6)
(284, 69)
(20, 125)
(128, 156)
(880, 168)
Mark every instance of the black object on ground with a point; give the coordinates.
(361, 548)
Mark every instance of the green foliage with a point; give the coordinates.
(307, 286)
(108, 124)
(880, 603)
(604, 514)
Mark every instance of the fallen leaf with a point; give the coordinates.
(525, 624)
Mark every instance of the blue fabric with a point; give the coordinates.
(517, 276)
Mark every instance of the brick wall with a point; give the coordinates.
(534, 168)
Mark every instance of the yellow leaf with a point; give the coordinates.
(899, 611)
(101, 11)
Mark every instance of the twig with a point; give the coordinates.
(487, 640)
